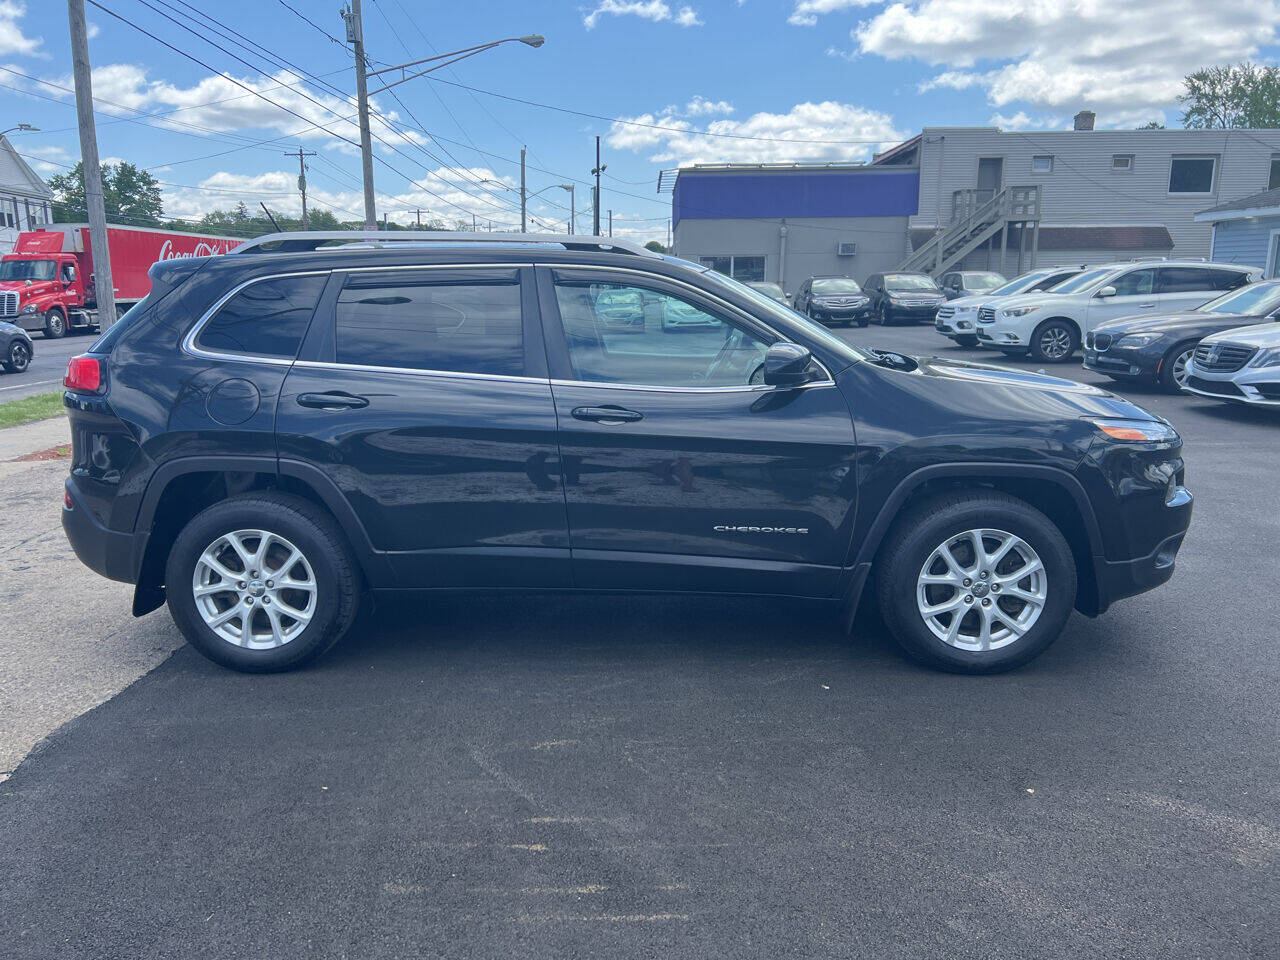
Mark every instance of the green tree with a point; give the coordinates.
(131, 196)
(655, 246)
(1152, 125)
(1240, 95)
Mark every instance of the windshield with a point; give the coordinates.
(27, 270)
(1018, 284)
(909, 281)
(771, 309)
(834, 287)
(983, 282)
(771, 289)
(1078, 283)
(1257, 299)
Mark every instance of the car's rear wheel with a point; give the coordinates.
(1054, 341)
(976, 582)
(1173, 368)
(262, 582)
(19, 357)
(55, 325)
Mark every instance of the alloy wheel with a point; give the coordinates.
(254, 588)
(19, 357)
(1179, 371)
(1055, 342)
(981, 589)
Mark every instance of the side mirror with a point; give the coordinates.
(788, 365)
(1107, 291)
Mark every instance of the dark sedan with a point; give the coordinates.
(16, 348)
(1157, 349)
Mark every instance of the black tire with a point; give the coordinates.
(864, 321)
(18, 358)
(967, 341)
(1169, 366)
(1054, 341)
(913, 540)
(305, 526)
(55, 325)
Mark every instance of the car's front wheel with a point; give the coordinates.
(976, 582)
(262, 582)
(1054, 341)
(1173, 368)
(19, 357)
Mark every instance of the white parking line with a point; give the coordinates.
(36, 383)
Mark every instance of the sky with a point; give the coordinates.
(201, 103)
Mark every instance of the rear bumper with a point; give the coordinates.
(109, 553)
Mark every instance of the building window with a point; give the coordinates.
(1122, 162)
(9, 212)
(1274, 180)
(746, 269)
(1192, 174)
(1042, 164)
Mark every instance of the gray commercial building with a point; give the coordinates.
(972, 198)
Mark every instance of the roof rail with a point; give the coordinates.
(307, 240)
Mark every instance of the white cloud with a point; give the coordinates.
(808, 131)
(1022, 121)
(807, 12)
(1125, 60)
(220, 104)
(700, 106)
(12, 39)
(655, 10)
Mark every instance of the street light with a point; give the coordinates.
(572, 203)
(532, 40)
(22, 127)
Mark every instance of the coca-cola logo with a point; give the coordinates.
(209, 248)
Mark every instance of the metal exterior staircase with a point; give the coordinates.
(976, 217)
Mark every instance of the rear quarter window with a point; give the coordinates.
(266, 319)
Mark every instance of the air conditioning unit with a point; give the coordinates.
(846, 248)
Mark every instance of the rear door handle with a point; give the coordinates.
(334, 400)
(610, 416)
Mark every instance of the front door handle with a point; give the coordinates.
(1146, 306)
(610, 416)
(334, 400)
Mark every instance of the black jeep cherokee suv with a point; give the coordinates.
(274, 431)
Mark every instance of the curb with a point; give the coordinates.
(32, 437)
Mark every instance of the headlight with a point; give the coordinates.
(28, 309)
(1020, 311)
(1267, 358)
(1136, 431)
(1137, 339)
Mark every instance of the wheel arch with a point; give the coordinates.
(1052, 491)
(180, 489)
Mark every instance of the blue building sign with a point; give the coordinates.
(724, 196)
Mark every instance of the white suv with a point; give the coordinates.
(958, 319)
(1051, 328)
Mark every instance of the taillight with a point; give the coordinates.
(83, 374)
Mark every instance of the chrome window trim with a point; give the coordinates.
(751, 319)
(415, 371)
(189, 341)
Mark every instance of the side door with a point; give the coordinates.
(422, 396)
(682, 470)
(1135, 295)
(872, 289)
(801, 300)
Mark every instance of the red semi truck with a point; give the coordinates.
(47, 282)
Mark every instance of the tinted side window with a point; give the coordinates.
(265, 319)
(425, 323)
(620, 333)
(1184, 279)
(1135, 283)
(1227, 279)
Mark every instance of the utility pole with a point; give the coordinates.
(355, 37)
(302, 181)
(419, 212)
(598, 169)
(104, 289)
(524, 199)
(573, 214)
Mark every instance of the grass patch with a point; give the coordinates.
(40, 407)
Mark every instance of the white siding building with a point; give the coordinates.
(25, 200)
(1247, 231)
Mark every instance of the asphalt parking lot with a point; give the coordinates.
(550, 776)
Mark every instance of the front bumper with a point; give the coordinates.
(109, 553)
(956, 326)
(1257, 386)
(1118, 579)
(840, 313)
(923, 312)
(1000, 338)
(1133, 363)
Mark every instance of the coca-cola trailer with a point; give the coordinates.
(47, 282)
